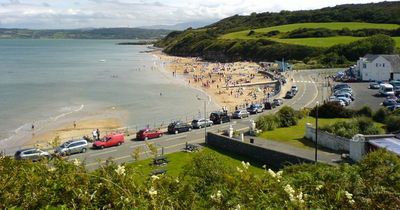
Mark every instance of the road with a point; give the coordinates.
(307, 82)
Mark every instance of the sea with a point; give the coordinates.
(48, 83)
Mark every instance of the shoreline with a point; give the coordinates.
(216, 79)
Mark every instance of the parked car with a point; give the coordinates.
(201, 123)
(341, 86)
(338, 101)
(72, 147)
(255, 108)
(386, 89)
(289, 94)
(389, 102)
(347, 101)
(33, 154)
(269, 105)
(114, 139)
(239, 114)
(294, 89)
(178, 127)
(344, 93)
(374, 85)
(219, 117)
(393, 107)
(278, 101)
(148, 133)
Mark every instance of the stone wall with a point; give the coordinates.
(271, 158)
(328, 140)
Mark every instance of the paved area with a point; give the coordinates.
(365, 96)
(306, 153)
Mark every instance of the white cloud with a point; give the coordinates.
(133, 13)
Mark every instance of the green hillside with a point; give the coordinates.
(290, 27)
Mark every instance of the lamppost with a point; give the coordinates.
(316, 132)
(205, 116)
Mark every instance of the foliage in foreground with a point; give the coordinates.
(349, 128)
(205, 183)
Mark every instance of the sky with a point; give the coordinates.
(69, 14)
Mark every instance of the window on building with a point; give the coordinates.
(383, 64)
(376, 64)
(364, 65)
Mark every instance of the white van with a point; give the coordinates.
(386, 89)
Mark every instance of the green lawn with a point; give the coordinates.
(179, 159)
(291, 27)
(321, 41)
(295, 135)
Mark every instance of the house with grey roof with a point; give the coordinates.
(379, 67)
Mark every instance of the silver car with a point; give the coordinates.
(72, 147)
(201, 123)
(239, 114)
(33, 154)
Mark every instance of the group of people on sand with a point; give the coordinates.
(96, 134)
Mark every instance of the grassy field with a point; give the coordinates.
(314, 42)
(291, 27)
(295, 135)
(179, 159)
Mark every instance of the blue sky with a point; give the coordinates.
(62, 14)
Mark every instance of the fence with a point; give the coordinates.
(328, 140)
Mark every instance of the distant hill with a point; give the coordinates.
(100, 33)
(298, 36)
(181, 26)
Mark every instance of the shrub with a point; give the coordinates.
(380, 115)
(364, 111)
(267, 122)
(393, 123)
(287, 117)
(350, 128)
(332, 110)
(367, 127)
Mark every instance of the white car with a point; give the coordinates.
(336, 100)
(295, 89)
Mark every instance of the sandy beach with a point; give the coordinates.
(217, 79)
(68, 131)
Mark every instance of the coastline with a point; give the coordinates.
(215, 79)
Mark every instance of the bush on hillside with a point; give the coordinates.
(332, 110)
(267, 122)
(287, 116)
(365, 111)
(380, 115)
(348, 129)
(393, 123)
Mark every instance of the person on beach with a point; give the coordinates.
(74, 124)
(94, 133)
(33, 127)
(98, 134)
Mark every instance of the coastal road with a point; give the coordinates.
(308, 84)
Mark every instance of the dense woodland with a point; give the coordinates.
(205, 42)
(101, 33)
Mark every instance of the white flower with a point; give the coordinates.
(352, 201)
(77, 162)
(289, 190)
(152, 192)
(279, 173)
(239, 170)
(238, 207)
(154, 178)
(120, 170)
(348, 195)
(264, 166)
(318, 187)
(216, 197)
(93, 195)
(272, 173)
(177, 180)
(51, 169)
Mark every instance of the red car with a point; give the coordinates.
(109, 141)
(148, 133)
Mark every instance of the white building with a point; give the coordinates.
(379, 67)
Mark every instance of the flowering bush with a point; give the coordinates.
(205, 183)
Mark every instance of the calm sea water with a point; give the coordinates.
(49, 82)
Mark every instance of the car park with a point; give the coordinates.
(114, 139)
(148, 133)
(347, 101)
(341, 86)
(219, 117)
(389, 102)
(239, 114)
(374, 85)
(72, 147)
(269, 105)
(344, 94)
(201, 123)
(179, 127)
(32, 154)
(255, 108)
(278, 101)
(289, 95)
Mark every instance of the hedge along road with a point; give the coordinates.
(306, 97)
